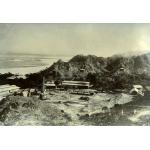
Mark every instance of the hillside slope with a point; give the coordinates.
(114, 70)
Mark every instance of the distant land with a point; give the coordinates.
(26, 63)
(34, 54)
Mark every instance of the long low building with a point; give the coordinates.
(68, 84)
(78, 84)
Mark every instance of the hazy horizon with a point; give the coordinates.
(72, 39)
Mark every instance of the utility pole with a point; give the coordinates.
(43, 85)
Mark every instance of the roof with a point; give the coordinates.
(121, 68)
(137, 86)
(49, 84)
(78, 83)
(73, 84)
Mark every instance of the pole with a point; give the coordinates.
(43, 85)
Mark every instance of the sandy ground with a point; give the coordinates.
(61, 108)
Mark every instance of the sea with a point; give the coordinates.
(27, 63)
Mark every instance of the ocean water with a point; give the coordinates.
(25, 63)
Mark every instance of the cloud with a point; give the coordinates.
(72, 39)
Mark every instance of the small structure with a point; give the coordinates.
(29, 92)
(122, 69)
(137, 90)
(50, 85)
(82, 70)
(25, 93)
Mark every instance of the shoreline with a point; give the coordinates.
(23, 70)
(33, 68)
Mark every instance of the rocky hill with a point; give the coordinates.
(99, 70)
(81, 65)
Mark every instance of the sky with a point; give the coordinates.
(72, 39)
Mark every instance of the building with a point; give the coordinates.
(67, 84)
(50, 85)
(75, 84)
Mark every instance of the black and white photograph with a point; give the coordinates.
(74, 74)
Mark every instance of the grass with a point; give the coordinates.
(30, 111)
(62, 109)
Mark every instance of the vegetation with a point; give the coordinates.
(116, 72)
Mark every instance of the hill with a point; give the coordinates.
(105, 73)
(112, 72)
